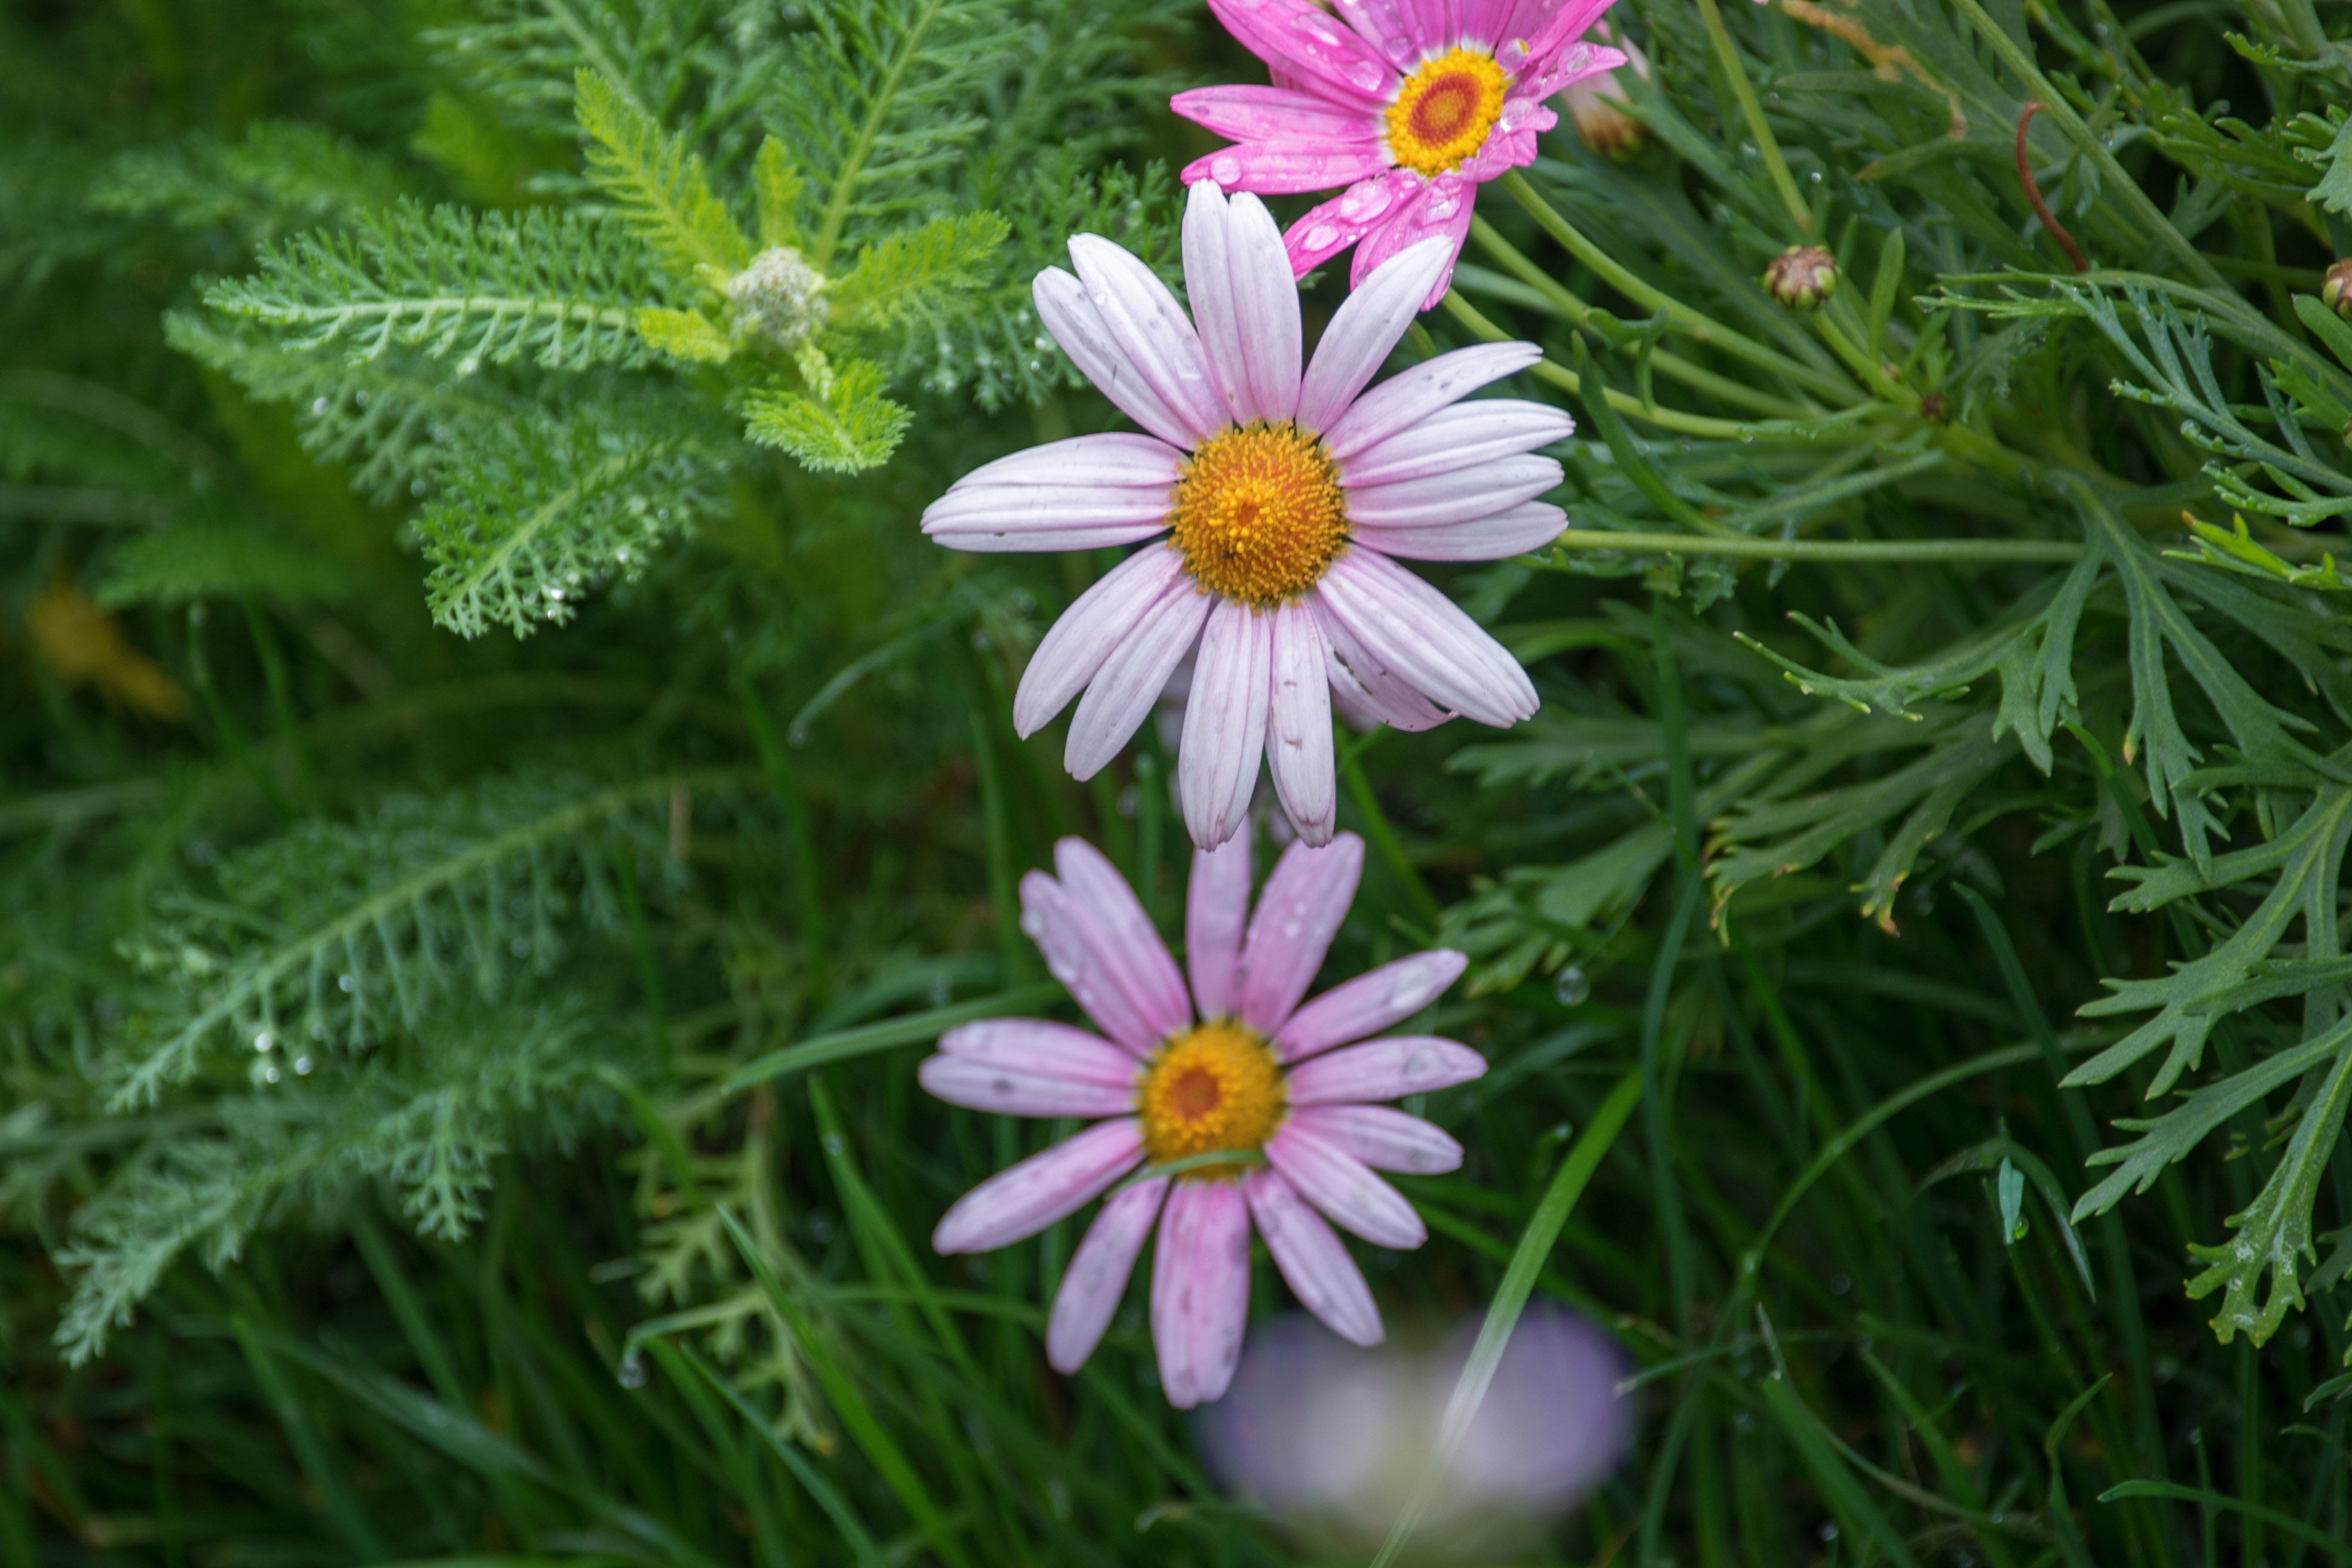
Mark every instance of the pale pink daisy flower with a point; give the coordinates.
(1410, 104)
(1285, 495)
(1233, 1101)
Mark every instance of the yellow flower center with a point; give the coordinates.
(1444, 110)
(1209, 1089)
(1259, 515)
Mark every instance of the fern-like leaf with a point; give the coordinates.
(659, 187)
(846, 426)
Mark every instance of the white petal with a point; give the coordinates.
(1365, 1006)
(1024, 1199)
(1312, 1260)
(1073, 651)
(1451, 439)
(1364, 683)
(997, 517)
(1200, 1291)
(1304, 901)
(1497, 538)
(1224, 722)
(1148, 324)
(1492, 488)
(1423, 637)
(1098, 1276)
(1345, 1188)
(1365, 328)
(1046, 1050)
(1266, 303)
(1121, 694)
(1121, 936)
(1208, 284)
(1298, 726)
(1216, 911)
(959, 1080)
(1409, 397)
(1119, 458)
(1384, 1137)
(1078, 327)
(1384, 1069)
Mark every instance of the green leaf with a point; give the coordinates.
(914, 271)
(777, 185)
(687, 335)
(659, 187)
(848, 427)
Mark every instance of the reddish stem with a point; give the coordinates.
(2033, 192)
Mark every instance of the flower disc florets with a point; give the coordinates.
(1212, 1089)
(778, 297)
(1259, 514)
(1443, 110)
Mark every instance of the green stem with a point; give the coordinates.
(1567, 381)
(779, 765)
(1384, 839)
(1752, 111)
(1576, 312)
(1702, 327)
(2022, 66)
(1874, 375)
(2006, 550)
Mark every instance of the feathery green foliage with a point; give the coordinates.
(499, 793)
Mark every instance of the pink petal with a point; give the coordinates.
(1443, 213)
(1151, 329)
(1547, 35)
(1394, 27)
(1200, 1291)
(1047, 517)
(1313, 1259)
(1384, 1069)
(1572, 66)
(1044, 1049)
(1298, 726)
(1224, 722)
(1285, 168)
(1416, 632)
(1344, 1189)
(1296, 916)
(1406, 399)
(1366, 1005)
(1363, 683)
(1120, 696)
(1090, 1292)
(1382, 1137)
(1451, 439)
(1330, 228)
(1074, 650)
(1493, 487)
(1497, 538)
(1117, 459)
(1302, 41)
(1362, 331)
(1032, 1195)
(1246, 302)
(1078, 327)
(980, 1086)
(1276, 114)
(1512, 145)
(1101, 976)
(1125, 944)
(1216, 910)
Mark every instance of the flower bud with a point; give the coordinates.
(1597, 104)
(2336, 288)
(1801, 276)
(777, 299)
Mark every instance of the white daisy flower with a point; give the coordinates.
(1284, 498)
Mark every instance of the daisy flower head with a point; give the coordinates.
(1228, 1103)
(1409, 104)
(1284, 495)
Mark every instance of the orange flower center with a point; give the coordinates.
(1259, 515)
(1443, 110)
(1211, 1090)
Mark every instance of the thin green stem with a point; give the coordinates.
(1567, 381)
(1752, 111)
(2112, 176)
(1700, 326)
(1985, 550)
(1576, 313)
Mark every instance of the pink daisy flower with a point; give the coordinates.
(1232, 1100)
(1284, 496)
(1409, 104)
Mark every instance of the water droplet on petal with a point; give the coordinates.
(1321, 236)
(1362, 203)
(1226, 170)
(1364, 75)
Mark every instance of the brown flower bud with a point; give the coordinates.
(2336, 288)
(1597, 104)
(1934, 408)
(1801, 276)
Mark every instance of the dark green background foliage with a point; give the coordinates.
(469, 703)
